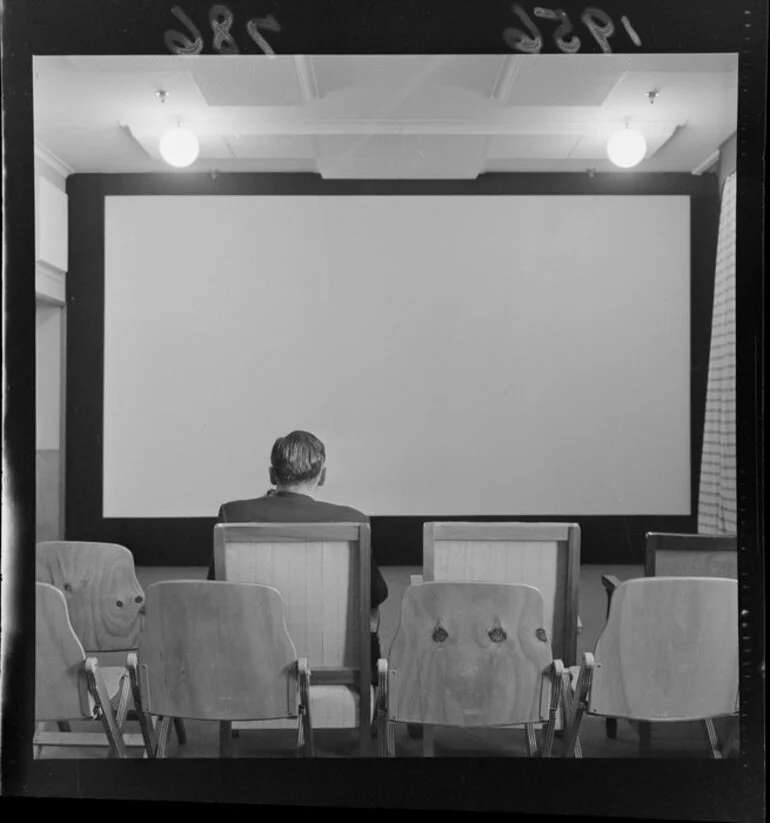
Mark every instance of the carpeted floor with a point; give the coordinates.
(669, 740)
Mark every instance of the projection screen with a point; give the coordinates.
(459, 355)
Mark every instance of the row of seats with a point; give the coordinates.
(466, 653)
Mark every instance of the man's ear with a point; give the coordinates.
(272, 477)
(322, 478)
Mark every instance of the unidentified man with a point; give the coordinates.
(298, 470)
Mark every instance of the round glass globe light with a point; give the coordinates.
(626, 148)
(179, 147)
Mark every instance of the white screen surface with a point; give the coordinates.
(458, 355)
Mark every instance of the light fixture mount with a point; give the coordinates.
(652, 96)
(162, 95)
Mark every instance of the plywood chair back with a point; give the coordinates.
(669, 651)
(61, 691)
(322, 571)
(104, 599)
(543, 555)
(691, 555)
(470, 654)
(216, 651)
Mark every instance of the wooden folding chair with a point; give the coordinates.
(678, 555)
(104, 598)
(322, 571)
(668, 653)
(470, 655)
(543, 555)
(217, 651)
(72, 687)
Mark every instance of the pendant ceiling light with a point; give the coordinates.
(626, 148)
(179, 147)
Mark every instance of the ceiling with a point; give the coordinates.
(373, 117)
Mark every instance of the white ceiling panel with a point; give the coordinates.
(278, 147)
(229, 80)
(562, 82)
(396, 156)
(532, 146)
(476, 73)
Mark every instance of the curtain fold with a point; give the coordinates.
(717, 503)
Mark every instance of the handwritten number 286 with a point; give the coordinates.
(598, 23)
(221, 21)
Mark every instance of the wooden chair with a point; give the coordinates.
(104, 598)
(322, 571)
(70, 686)
(470, 655)
(678, 555)
(669, 653)
(543, 555)
(217, 651)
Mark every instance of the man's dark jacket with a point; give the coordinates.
(288, 507)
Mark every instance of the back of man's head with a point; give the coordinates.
(297, 459)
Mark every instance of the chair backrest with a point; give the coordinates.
(669, 650)
(470, 654)
(104, 598)
(543, 555)
(322, 571)
(691, 555)
(216, 651)
(61, 690)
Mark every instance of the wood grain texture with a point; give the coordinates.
(320, 580)
(669, 651)
(104, 598)
(691, 555)
(61, 690)
(323, 573)
(446, 669)
(546, 556)
(213, 650)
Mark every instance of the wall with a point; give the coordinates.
(50, 287)
(395, 540)
(728, 159)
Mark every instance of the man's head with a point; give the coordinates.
(298, 462)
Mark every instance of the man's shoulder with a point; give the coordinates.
(344, 514)
(236, 509)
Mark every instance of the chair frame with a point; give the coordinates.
(155, 730)
(667, 541)
(64, 545)
(560, 680)
(568, 533)
(111, 723)
(358, 533)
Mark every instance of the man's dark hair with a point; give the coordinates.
(297, 458)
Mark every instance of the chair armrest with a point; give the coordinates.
(415, 579)
(610, 583)
(374, 621)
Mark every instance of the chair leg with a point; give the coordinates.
(165, 725)
(225, 739)
(568, 709)
(645, 739)
(532, 747)
(712, 738)
(611, 727)
(181, 732)
(732, 739)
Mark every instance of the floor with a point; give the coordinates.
(669, 740)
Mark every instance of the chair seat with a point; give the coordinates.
(331, 707)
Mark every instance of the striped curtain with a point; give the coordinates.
(717, 504)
